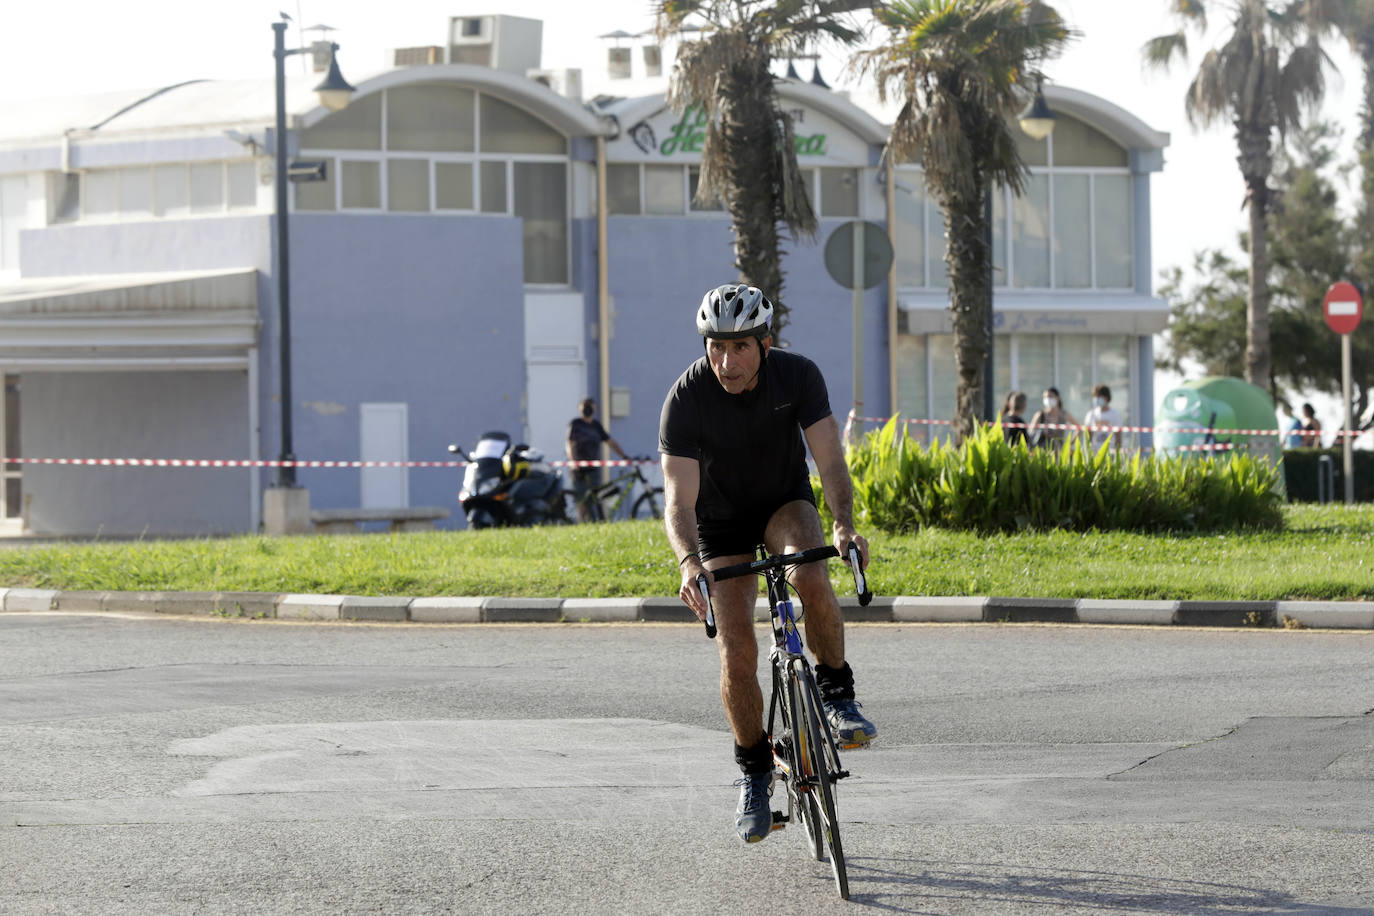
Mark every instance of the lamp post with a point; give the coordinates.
(1038, 122)
(335, 93)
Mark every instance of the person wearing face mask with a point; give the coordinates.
(1044, 431)
(585, 435)
(1013, 423)
(1102, 418)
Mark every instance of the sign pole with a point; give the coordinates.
(1348, 462)
(859, 286)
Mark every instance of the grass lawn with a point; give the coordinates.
(1326, 552)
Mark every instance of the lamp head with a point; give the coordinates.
(335, 92)
(1038, 120)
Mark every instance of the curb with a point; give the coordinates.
(1348, 615)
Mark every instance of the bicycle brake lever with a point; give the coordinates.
(856, 567)
(710, 612)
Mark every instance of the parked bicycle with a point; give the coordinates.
(629, 487)
(804, 749)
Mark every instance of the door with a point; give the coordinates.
(384, 436)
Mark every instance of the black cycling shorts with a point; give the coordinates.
(743, 533)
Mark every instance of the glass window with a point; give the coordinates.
(622, 189)
(909, 200)
(66, 188)
(911, 382)
(13, 216)
(172, 190)
(1113, 369)
(1076, 373)
(1033, 152)
(693, 181)
(361, 184)
(243, 185)
(136, 193)
(839, 192)
(318, 195)
(663, 191)
(507, 129)
(407, 185)
(494, 187)
(430, 117)
(999, 236)
(1001, 373)
(541, 202)
(1030, 234)
(359, 126)
(944, 382)
(1072, 242)
(935, 249)
(101, 194)
(1034, 366)
(453, 185)
(207, 187)
(1075, 143)
(1112, 231)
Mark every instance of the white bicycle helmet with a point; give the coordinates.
(733, 311)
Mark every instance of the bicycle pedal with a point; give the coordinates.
(779, 820)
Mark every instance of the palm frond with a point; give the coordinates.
(1209, 94)
(1159, 52)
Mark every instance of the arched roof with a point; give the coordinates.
(1114, 121)
(561, 113)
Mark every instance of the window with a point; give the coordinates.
(66, 197)
(1112, 367)
(453, 185)
(909, 239)
(935, 219)
(622, 189)
(360, 184)
(1072, 237)
(1034, 366)
(359, 126)
(839, 192)
(1030, 233)
(541, 202)
(663, 190)
(944, 377)
(1076, 372)
(101, 196)
(1112, 237)
(430, 117)
(207, 187)
(911, 381)
(136, 193)
(407, 185)
(507, 129)
(494, 187)
(172, 189)
(318, 195)
(243, 185)
(1077, 144)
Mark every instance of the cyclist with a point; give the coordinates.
(734, 467)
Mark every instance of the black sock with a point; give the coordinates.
(756, 759)
(835, 683)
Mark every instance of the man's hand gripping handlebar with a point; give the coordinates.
(757, 566)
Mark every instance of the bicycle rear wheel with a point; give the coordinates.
(822, 765)
(650, 504)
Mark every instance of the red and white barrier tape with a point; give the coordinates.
(278, 463)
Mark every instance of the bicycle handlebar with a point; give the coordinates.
(810, 555)
(856, 567)
(710, 611)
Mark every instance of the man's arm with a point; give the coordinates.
(823, 438)
(681, 480)
(615, 447)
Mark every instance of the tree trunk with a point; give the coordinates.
(1256, 164)
(970, 301)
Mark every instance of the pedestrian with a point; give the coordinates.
(1013, 423)
(1293, 432)
(585, 435)
(1311, 427)
(1048, 426)
(734, 433)
(1103, 420)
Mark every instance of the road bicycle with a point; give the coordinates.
(805, 753)
(605, 500)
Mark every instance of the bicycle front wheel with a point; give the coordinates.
(649, 505)
(821, 762)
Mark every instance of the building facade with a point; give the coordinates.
(446, 279)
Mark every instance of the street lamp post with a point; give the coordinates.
(334, 93)
(1038, 122)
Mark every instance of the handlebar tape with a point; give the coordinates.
(710, 612)
(856, 567)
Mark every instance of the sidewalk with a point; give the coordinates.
(266, 605)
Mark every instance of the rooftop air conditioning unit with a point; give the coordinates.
(508, 43)
(418, 57)
(567, 83)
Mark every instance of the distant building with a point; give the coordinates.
(444, 277)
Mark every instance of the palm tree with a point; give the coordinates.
(1261, 77)
(749, 158)
(960, 69)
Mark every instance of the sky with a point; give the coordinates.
(67, 47)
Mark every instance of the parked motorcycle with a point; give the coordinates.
(506, 485)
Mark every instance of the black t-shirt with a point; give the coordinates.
(753, 457)
(586, 437)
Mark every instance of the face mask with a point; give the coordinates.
(1100, 402)
(1051, 403)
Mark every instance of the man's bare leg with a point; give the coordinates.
(797, 526)
(733, 601)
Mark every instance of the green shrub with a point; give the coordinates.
(988, 486)
(1300, 473)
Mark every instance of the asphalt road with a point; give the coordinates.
(162, 765)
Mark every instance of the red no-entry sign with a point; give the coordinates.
(1343, 307)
